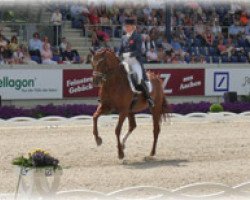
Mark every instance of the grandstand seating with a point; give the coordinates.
(192, 45)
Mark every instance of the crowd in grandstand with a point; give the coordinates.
(201, 33)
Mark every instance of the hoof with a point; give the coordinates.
(149, 158)
(98, 141)
(121, 155)
(152, 154)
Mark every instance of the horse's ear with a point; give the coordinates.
(92, 51)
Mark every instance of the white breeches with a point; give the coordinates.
(132, 65)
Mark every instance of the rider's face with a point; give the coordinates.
(128, 28)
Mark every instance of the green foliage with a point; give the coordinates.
(216, 108)
(245, 98)
(22, 161)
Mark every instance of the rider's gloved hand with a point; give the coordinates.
(126, 55)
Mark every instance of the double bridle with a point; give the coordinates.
(102, 75)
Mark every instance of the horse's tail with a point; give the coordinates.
(165, 110)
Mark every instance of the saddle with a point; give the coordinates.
(134, 72)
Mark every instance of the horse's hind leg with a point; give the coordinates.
(96, 115)
(156, 130)
(132, 126)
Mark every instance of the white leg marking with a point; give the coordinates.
(124, 139)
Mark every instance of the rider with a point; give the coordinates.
(132, 43)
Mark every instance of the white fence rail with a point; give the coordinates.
(222, 116)
(193, 191)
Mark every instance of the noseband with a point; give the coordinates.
(101, 75)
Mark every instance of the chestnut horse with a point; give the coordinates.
(116, 95)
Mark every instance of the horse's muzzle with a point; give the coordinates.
(98, 78)
(96, 81)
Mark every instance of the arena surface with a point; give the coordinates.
(188, 152)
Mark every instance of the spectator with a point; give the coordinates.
(202, 60)
(70, 55)
(46, 54)
(177, 47)
(167, 47)
(18, 56)
(93, 17)
(56, 19)
(63, 45)
(216, 29)
(8, 53)
(99, 36)
(3, 42)
(193, 59)
(26, 57)
(35, 46)
(235, 30)
(180, 35)
(152, 56)
(221, 47)
(209, 37)
(161, 55)
(230, 48)
(199, 29)
(46, 41)
(247, 32)
(13, 44)
(2, 55)
(243, 19)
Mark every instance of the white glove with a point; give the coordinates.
(126, 55)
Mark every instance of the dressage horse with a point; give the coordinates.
(116, 96)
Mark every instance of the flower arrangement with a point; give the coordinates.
(37, 159)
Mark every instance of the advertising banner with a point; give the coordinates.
(176, 82)
(78, 83)
(30, 84)
(219, 81)
(182, 82)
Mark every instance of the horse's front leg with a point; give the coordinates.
(96, 115)
(122, 117)
(132, 126)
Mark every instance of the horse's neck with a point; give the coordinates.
(116, 80)
(116, 76)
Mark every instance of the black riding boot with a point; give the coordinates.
(146, 94)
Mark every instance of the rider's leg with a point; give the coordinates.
(145, 83)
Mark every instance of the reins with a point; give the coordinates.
(107, 72)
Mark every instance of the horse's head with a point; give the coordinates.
(103, 61)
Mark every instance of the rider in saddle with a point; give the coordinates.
(131, 45)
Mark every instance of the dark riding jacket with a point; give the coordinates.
(132, 44)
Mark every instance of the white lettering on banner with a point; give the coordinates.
(191, 84)
(78, 89)
(185, 86)
(189, 78)
(166, 78)
(79, 81)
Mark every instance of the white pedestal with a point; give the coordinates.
(216, 117)
(37, 183)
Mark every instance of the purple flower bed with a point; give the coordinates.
(7, 112)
